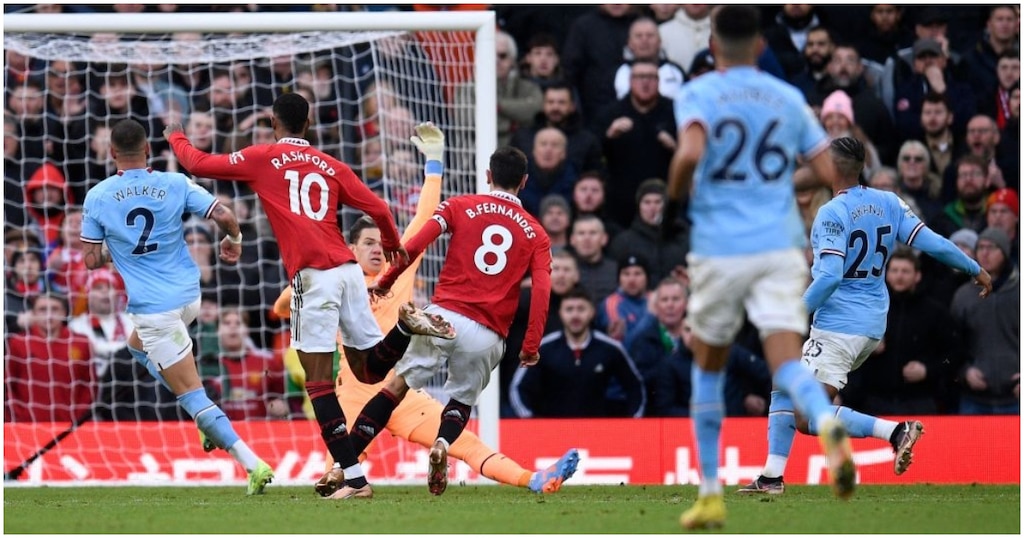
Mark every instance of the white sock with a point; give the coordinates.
(709, 487)
(355, 471)
(774, 466)
(244, 455)
(883, 429)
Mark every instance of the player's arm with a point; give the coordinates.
(359, 196)
(540, 301)
(282, 306)
(415, 247)
(829, 237)
(231, 245)
(94, 253)
(692, 141)
(430, 141)
(948, 253)
(231, 167)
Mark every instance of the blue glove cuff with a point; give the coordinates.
(434, 167)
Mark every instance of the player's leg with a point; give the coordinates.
(164, 337)
(372, 364)
(775, 307)
(715, 314)
(377, 412)
(832, 356)
(314, 336)
(781, 431)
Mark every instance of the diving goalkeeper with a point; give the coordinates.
(417, 417)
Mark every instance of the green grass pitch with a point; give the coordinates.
(493, 509)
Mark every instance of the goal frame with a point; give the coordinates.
(482, 23)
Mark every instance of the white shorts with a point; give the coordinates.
(165, 335)
(769, 285)
(475, 351)
(833, 356)
(324, 301)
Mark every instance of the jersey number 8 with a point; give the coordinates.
(490, 258)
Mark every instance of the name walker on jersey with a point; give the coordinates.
(132, 191)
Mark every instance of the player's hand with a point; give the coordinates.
(528, 359)
(430, 141)
(985, 281)
(397, 257)
(172, 128)
(229, 252)
(377, 292)
(975, 379)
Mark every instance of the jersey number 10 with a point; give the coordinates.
(298, 194)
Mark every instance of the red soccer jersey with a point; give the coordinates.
(301, 189)
(248, 383)
(49, 377)
(494, 244)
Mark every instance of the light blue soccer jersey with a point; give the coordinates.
(756, 125)
(861, 225)
(139, 215)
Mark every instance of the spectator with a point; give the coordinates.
(583, 149)
(846, 72)
(1001, 36)
(18, 239)
(578, 364)
(940, 141)
(99, 165)
(588, 198)
(968, 209)
(592, 53)
(991, 328)
(808, 201)
(644, 44)
(639, 138)
(887, 179)
(995, 103)
(908, 371)
(14, 192)
(817, 53)
(656, 334)
(519, 99)
(542, 64)
(788, 36)
(549, 170)
(25, 106)
(917, 181)
(620, 313)
(1009, 138)
(931, 74)
(1003, 213)
(661, 13)
(204, 333)
(598, 273)
(47, 369)
(25, 282)
(66, 265)
(667, 256)
(686, 34)
(48, 198)
(983, 142)
(118, 100)
(837, 116)
(554, 217)
(251, 381)
(886, 35)
(747, 382)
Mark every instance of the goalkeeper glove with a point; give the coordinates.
(430, 141)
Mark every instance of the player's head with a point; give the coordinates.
(364, 240)
(291, 115)
(128, 140)
(507, 169)
(848, 157)
(735, 33)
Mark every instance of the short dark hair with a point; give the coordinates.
(1011, 53)
(578, 292)
(736, 22)
(560, 85)
(508, 166)
(362, 223)
(972, 160)
(906, 253)
(542, 39)
(937, 98)
(128, 136)
(848, 147)
(292, 110)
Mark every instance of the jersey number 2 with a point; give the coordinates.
(298, 194)
(148, 220)
(496, 242)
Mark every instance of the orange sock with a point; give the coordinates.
(483, 459)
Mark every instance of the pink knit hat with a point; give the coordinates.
(838, 103)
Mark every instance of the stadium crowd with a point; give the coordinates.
(586, 92)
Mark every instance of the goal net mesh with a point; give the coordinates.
(63, 92)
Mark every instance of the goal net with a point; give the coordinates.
(370, 77)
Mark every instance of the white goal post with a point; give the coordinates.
(251, 38)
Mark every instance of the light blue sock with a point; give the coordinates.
(781, 430)
(858, 425)
(210, 419)
(142, 358)
(808, 396)
(707, 411)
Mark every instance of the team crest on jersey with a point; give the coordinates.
(236, 157)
